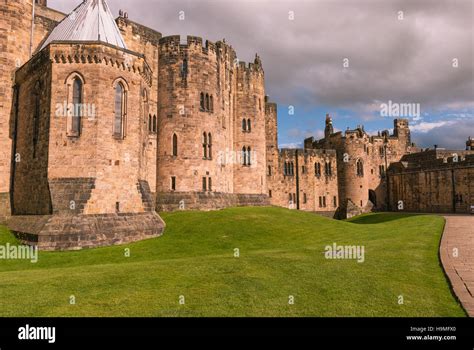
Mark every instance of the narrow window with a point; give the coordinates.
(334, 201)
(328, 169)
(184, 69)
(317, 169)
(304, 198)
(120, 111)
(150, 124)
(212, 103)
(320, 202)
(175, 145)
(154, 124)
(209, 187)
(204, 184)
(360, 168)
(324, 201)
(249, 156)
(77, 105)
(270, 193)
(285, 169)
(207, 102)
(244, 156)
(269, 170)
(209, 145)
(204, 145)
(244, 125)
(173, 183)
(249, 125)
(202, 101)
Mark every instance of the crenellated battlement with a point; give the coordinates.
(172, 44)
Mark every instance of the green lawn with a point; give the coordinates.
(281, 254)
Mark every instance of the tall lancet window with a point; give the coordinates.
(120, 111)
(77, 107)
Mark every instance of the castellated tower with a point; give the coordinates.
(15, 34)
(203, 98)
(250, 124)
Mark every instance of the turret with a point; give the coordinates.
(329, 128)
(401, 130)
(470, 144)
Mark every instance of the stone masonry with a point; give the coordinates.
(172, 124)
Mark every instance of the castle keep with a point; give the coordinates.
(104, 123)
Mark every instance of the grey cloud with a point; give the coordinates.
(404, 61)
(450, 136)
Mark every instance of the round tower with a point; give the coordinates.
(15, 34)
(356, 170)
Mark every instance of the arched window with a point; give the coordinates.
(209, 145)
(150, 123)
(249, 156)
(77, 105)
(212, 103)
(249, 125)
(120, 111)
(244, 156)
(207, 102)
(317, 169)
(154, 124)
(244, 125)
(328, 169)
(202, 101)
(175, 145)
(204, 145)
(360, 168)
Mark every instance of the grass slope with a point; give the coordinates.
(281, 254)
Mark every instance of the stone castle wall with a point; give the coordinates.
(31, 121)
(15, 28)
(304, 188)
(433, 181)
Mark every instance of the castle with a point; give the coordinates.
(104, 123)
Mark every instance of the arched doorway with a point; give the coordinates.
(373, 197)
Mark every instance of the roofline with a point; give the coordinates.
(139, 24)
(90, 42)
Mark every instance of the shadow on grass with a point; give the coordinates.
(377, 218)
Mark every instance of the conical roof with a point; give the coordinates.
(90, 21)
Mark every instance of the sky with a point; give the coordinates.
(365, 62)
